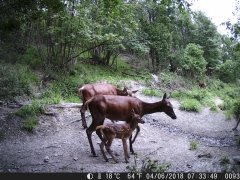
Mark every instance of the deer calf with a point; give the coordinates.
(120, 131)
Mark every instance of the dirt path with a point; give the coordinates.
(60, 144)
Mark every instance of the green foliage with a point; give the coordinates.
(151, 92)
(30, 123)
(193, 100)
(214, 108)
(193, 62)
(190, 105)
(1, 135)
(31, 58)
(227, 71)
(31, 110)
(224, 160)
(148, 166)
(193, 145)
(15, 80)
(153, 166)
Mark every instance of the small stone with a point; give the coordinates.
(46, 159)
(236, 159)
(189, 166)
(75, 158)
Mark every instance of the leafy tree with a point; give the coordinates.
(208, 38)
(193, 62)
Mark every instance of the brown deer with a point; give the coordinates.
(118, 108)
(89, 90)
(202, 84)
(120, 131)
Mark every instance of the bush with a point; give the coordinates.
(31, 58)
(30, 123)
(148, 166)
(33, 109)
(151, 92)
(190, 105)
(227, 71)
(15, 81)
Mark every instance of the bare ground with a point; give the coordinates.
(59, 143)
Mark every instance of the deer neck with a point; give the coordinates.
(148, 108)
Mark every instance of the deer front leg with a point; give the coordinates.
(102, 150)
(82, 111)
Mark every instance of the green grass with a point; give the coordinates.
(148, 165)
(16, 80)
(224, 160)
(33, 109)
(151, 92)
(30, 123)
(193, 145)
(1, 135)
(190, 105)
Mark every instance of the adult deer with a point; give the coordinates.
(118, 108)
(89, 90)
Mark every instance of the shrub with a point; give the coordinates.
(227, 71)
(30, 123)
(148, 165)
(151, 92)
(15, 80)
(153, 166)
(190, 105)
(33, 109)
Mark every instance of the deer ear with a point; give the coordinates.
(164, 96)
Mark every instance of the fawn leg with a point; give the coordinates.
(108, 148)
(125, 150)
(102, 150)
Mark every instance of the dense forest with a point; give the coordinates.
(77, 37)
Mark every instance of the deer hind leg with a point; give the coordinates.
(125, 148)
(108, 148)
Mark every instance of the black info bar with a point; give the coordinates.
(126, 176)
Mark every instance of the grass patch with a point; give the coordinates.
(30, 123)
(1, 135)
(190, 105)
(148, 165)
(151, 92)
(15, 81)
(193, 145)
(224, 160)
(214, 108)
(33, 109)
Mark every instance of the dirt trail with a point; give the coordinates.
(60, 144)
